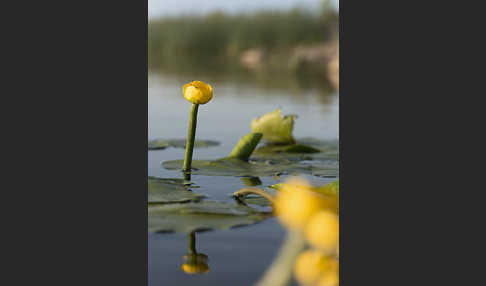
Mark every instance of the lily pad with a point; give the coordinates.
(170, 190)
(306, 149)
(160, 144)
(275, 127)
(204, 215)
(239, 168)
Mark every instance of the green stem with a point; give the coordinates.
(256, 191)
(191, 136)
(246, 146)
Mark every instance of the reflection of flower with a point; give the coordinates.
(195, 263)
(198, 92)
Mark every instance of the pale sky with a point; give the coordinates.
(158, 8)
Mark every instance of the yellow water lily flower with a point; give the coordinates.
(198, 92)
(296, 203)
(329, 279)
(322, 231)
(312, 265)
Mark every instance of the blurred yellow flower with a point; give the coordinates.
(322, 231)
(198, 92)
(312, 266)
(296, 203)
(329, 279)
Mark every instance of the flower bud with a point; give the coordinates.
(198, 92)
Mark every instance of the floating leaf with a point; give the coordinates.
(168, 190)
(238, 168)
(204, 215)
(160, 144)
(275, 127)
(305, 149)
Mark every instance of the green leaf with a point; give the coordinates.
(275, 127)
(238, 168)
(204, 215)
(160, 144)
(168, 190)
(306, 149)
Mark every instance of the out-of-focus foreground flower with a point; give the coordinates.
(302, 208)
(298, 201)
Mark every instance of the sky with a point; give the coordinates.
(160, 8)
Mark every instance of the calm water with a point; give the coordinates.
(238, 256)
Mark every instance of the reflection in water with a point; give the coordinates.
(194, 263)
(251, 181)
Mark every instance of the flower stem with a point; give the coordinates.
(191, 136)
(257, 191)
(246, 146)
(280, 272)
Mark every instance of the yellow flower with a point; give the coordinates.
(312, 265)
(296, 203)
(198, 92)
(322, 231)
(329, 279)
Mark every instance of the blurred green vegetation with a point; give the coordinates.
(270, 48)
(219, 38)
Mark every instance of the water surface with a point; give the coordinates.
(238, 256)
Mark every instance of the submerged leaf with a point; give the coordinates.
(160, 144)
(204, 215)
(168, 190)
(275, 127)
